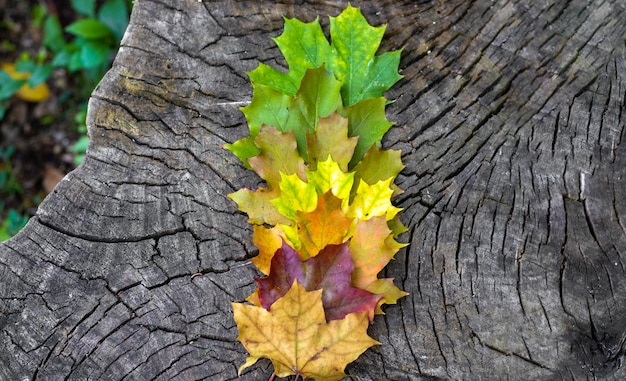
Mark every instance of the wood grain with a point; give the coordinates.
(510, 119)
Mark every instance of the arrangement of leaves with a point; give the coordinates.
(324, 223)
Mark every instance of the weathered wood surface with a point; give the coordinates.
(511, 121)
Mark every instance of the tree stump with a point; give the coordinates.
(510, 118)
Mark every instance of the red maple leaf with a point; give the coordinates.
(331, 271)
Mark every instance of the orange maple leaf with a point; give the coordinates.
(268, 240)
(326, 225)
(372, 246)
(295, 336)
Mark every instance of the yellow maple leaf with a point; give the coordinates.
(257, 204)
(373, 200)
(295, 336)
(328, 176)
(390, 292)
(295, 195)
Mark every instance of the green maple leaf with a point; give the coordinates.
(318, 97)
(353, 60)
(304, 46)
(378, 165)
(367, 120)
(243, 149)
(268, 107)
(297, 99)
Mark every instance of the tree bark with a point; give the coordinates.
(510, 119)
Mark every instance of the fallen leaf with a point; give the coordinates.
(390, 292)
(330, 271)
(331, 139)
(295, 336)
(372, 246)
(278, 154)
(304, 46)
(354, 44)
(295, 195)
(368, 121)
(258, 206)
(372, 201)
(326, 225)
(267, 240)
(378, 165)
(329, 176)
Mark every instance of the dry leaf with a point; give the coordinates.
(295, 336)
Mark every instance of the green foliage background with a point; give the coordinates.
(84, 49)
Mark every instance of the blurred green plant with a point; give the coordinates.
(12, 220)
(93, 40)
(9, 185)
(11, 224)
(85, 49)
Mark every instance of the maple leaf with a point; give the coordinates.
(391, 293)
(396, 226)
(378, 165)
(328, 176)
(324, 222)
(326, 225)
(372, 246)
(317, 97)
(330, 271)
(295, 336)
(258, 206)
(330, 139)
(310, 50)
(321, 78)
(244, 149)
(353, 60)
(368, 121)
(373, 200)
(267, 240)
(278, 154)
(295, 195)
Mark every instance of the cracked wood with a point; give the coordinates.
(510, 120)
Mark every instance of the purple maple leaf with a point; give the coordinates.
(330, 270)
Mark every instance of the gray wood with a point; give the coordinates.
(510, 118)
